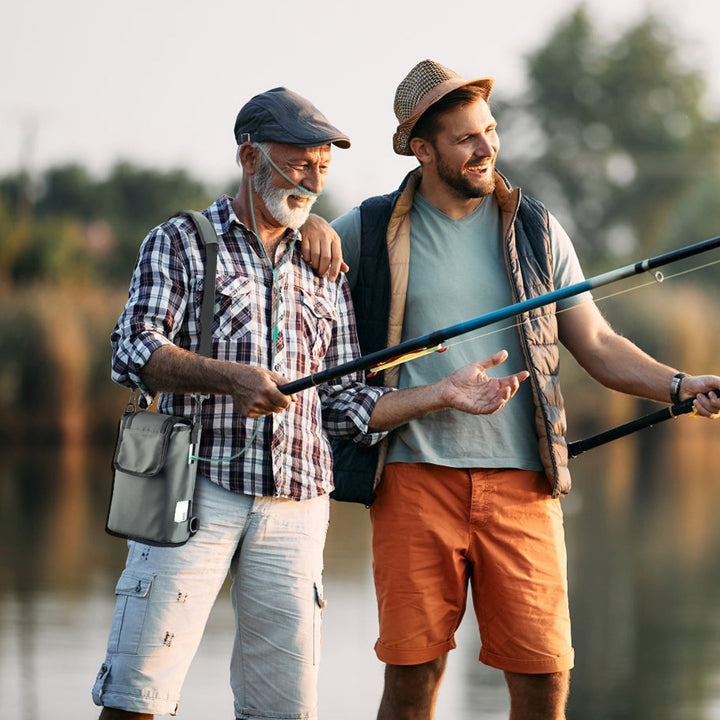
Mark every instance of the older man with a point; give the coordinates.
(265, 470)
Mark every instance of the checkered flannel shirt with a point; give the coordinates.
(290, 455)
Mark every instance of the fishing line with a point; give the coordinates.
(395, 354)
(658, 277)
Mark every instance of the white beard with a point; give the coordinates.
(276, 200)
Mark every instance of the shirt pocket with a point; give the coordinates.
(319, 316)
(234, 307)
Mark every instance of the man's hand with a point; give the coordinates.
(320, 248)
(470, 390)
(255, 391)
(706, 390)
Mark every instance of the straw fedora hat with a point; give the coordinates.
(423, 86)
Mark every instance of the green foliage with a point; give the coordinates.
(68, 191)
(135, 200)
(55, 363)
(613, 135)
(23, 353)
(73, 226)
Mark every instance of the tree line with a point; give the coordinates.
(616, 136)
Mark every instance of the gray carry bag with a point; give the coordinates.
(154, 478)
(154, 465)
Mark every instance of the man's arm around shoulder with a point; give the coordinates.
(321, 249)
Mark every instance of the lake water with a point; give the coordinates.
(644, 564)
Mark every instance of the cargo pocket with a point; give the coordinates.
(319, 604)
(132, 593)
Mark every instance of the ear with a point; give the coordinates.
(422, 150)
(248, 158)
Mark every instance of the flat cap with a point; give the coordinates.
(280, 115)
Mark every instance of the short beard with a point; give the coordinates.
(276, 199)
(462, 185)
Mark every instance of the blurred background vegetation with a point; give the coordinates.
(615, 136)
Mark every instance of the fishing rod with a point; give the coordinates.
(580, 446)
(432, 342)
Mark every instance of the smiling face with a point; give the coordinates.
(462, 150)
(306, 167)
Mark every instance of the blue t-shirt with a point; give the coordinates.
(457, 272)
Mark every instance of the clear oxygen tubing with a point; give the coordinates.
(276, 287)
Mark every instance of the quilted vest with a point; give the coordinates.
(528, 260)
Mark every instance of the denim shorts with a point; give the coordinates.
(273, 549)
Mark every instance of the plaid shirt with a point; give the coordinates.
(290, 455)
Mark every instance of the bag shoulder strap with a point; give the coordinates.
(208, 236)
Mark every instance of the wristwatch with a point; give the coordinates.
(675, 387)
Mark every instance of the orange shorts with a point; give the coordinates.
(434, 530)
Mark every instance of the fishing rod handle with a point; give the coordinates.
(296, 386)
(580, 446)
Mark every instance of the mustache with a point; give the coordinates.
(292, 193)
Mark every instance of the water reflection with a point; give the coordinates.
(644, 567)
(643, 542)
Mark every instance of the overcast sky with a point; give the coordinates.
(159, 82)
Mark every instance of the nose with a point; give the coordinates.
(313, 180)
(483, 149)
